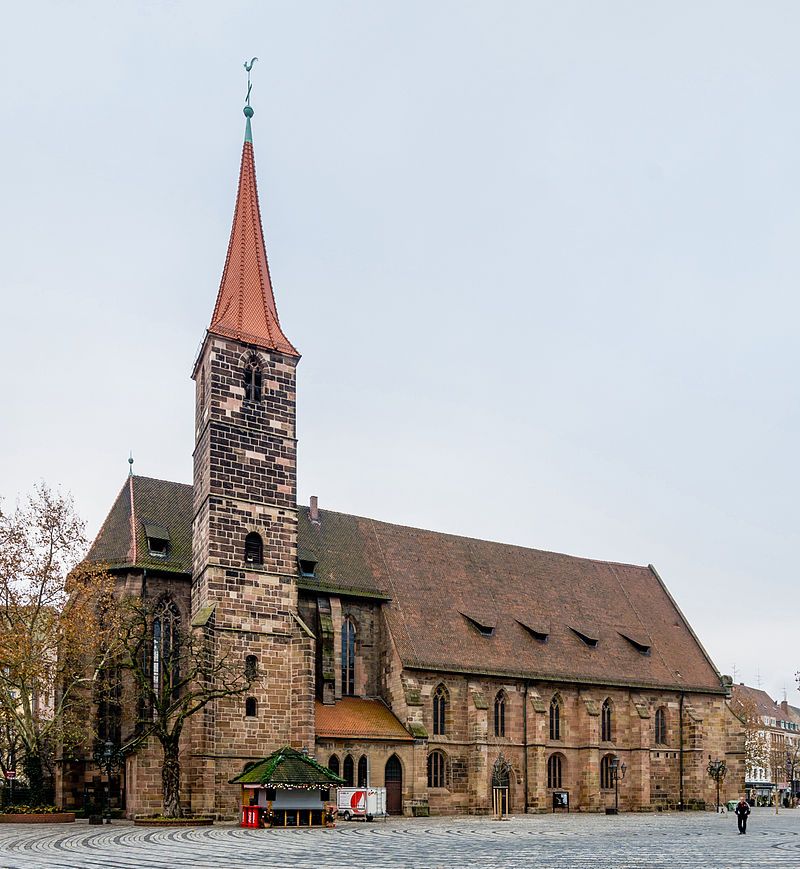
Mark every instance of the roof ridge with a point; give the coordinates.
(469, 539)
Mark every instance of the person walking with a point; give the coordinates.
(742, 811)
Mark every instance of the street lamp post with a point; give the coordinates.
(108, 756)
(617, 769)
(717, 770)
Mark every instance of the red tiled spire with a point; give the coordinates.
(245, 307)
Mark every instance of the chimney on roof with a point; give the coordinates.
(313, 510)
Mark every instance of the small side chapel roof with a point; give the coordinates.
(245, 307)
(358, 718)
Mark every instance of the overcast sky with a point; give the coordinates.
(541, 260)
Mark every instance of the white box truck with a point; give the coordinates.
(367, 803)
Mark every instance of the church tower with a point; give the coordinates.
(244, 531)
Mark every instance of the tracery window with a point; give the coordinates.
(500, 714)
(436, 769)
(348, 657)
(661, 726)
(606, 772)
(555, 718)
(554, 771)
(252, 380)
(439, 709)
(166, 652)
(605, 721)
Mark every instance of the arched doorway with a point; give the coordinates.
(394, 786)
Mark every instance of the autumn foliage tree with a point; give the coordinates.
(55, 632)
(171, 670)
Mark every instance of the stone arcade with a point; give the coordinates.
(398, 657)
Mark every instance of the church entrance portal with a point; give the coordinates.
(394, 786)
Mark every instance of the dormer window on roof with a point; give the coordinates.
(307, 561)
(157, 540)
(483, 624)
(585, 635)
(640, 642)
(539, 630)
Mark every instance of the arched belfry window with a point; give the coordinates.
(348, 657)
(166, 651)
(555, 718)
(252, 380)
(500, 714)
(439, 710)
(253, 548)
(605, 721)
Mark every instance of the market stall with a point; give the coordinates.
(287, 789)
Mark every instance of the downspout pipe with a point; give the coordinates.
(680, 754)
(525, 743)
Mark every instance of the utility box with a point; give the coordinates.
(366, 803)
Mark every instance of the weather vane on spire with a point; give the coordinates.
(248, 67)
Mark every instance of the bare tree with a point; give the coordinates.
(176, 670)
(54, 634)
(756, 740)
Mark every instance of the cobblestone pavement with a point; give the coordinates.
(570, 841)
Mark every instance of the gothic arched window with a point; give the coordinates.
(436, 770)
(363, 772)
(166, 652)
(500, 714)
(252, 380)
(554, 771)
(347, 772)
(605, 721)
(555, 718)
(439, 709)
(661, 726)
(253, 548)
(606, 772)
(348, 657)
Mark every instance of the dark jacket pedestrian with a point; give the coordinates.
(742, 811)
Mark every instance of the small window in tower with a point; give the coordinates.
(253, 548)
(252, 380)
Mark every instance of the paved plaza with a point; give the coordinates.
(570, 841)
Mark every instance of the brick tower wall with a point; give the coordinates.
(245, 481)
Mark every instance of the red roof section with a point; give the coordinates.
(245, 307)
(358, 718)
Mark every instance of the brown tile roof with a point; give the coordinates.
(458, 604)
(358, 718)
(464, 605)
(143, 501)
(762, 702)
(245, 307)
